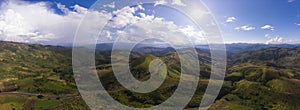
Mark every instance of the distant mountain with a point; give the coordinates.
(242, 47)
(235, 48)
(154, 50)
(267, 78)
(259, 76)
(162, 49)
(127, 46)
(278, 57)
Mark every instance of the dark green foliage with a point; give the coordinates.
(40, 96)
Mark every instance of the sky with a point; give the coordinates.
(272, 20)
(55, 22)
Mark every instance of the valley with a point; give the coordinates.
(37, 77)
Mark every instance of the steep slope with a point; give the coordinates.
(37, 77)
(263, 79)
(277, 57)
(139, 68)
(34, 67)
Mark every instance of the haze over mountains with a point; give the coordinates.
(232, 48)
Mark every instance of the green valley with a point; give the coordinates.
(40, 77)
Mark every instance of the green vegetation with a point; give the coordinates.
(35, 69)
(11, 101)
(48, 103)
(260, 79)
(263, 79)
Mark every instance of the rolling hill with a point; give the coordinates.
(40, 77)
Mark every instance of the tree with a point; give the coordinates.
(40, 96)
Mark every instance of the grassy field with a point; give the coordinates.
(50, 103)
(9, 102)
(18, 102)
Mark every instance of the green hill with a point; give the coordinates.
(268, 78)
(40, 72)
(263, 79)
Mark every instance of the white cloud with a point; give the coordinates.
(173, 2)
(107, 35)
(140, 7)
(62, 7)
(245, 28)
(157, 28)
(178, 3)
(111, 5)
(79, 9)
(298, 24)
(193, 33)
(160, 2)
(276, 40)
(125, 16)
(268, 27)
(268, 36)
(148, 26)
(231, 19)
(291, 1)
(16, 25)
(21, 21)
(281, 40)
(36, 23)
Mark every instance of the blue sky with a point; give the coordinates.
(84, 3)
(248, 21)
(68, 3)
(281, 14)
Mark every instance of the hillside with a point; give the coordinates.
(36, 76)
(40, 77)
(263, 79)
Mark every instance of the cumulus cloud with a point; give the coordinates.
(16, 26)
(173, 2)
(158, 28)
(111, 5)
(21, 21)
(12, 28)
(231, 19)
(245, 28)
(178, 3)
(149, 26)
(160, 2)
(281, 40)
(276, 40)
(124, 17)
(268, 36)
(268, 27)
(62, 7)
(298, 24)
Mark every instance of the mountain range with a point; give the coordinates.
(258, 76)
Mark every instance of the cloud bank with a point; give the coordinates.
(280, 40)
(22, 21)
(27, 22)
